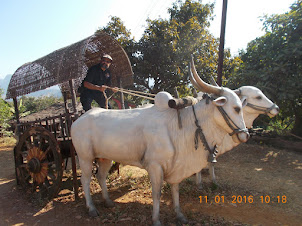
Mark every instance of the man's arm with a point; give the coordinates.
(91, 86)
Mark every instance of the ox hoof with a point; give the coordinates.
(181, 220)
(199, 187)
(94, 213)
(109, 204)
(156, 223)
(214, 186)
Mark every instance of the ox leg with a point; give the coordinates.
(198, 180)
(156, 176)
(212, 173)
(86, 168)
(104, 167)
(175, 196)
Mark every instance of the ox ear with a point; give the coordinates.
(243, 101)
(220, 101)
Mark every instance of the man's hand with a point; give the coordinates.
(102, 88)
(114, 89)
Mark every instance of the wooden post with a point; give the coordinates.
(65, 102)
(73, 98)
(17, 129)
(122, 94)
(16, 110)
(221, 44)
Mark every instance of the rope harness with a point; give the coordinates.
(260, 108)
(236, 129)
(199, 133)
(213, 152)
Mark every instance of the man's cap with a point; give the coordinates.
(107, 56)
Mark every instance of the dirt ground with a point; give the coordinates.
(258, 185)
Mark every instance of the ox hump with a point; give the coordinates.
(162, 99)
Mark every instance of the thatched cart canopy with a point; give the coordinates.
(71, 63)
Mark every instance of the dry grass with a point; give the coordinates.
(7, 141)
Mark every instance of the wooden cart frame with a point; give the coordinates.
(43, 144)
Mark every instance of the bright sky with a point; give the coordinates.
(33, 28)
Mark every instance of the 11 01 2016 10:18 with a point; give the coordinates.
(237, 199)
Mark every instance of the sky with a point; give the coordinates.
(33, 28)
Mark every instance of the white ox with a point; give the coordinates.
(150, 138)
(257, 103)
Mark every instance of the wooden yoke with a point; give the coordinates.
(182, 102)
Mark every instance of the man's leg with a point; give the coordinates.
(86, 102)
(100, 99)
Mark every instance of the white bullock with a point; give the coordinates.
(257, 103)
(150, 138)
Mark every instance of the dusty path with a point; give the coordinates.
(248, 172)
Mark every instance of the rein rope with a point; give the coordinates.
(130, 92)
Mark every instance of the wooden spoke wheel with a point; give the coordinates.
(38, 162)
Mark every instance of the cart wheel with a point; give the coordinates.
(39, 165)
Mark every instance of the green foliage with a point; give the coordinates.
(5, 115)
(273, 63)
(26, 106)
(166, 47)
(36, 104)
(160, 59)
(116, 29)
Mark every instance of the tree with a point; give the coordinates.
(35, 104)
(273, 63)
(116, 29)
(166, 47)
(5, 114)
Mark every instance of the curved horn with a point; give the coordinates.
(212, 81)
(238, 91)
(193, 81)
(207, 88)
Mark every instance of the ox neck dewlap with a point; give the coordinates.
(212, 152)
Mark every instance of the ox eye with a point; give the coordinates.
(258, 97)
(237, 109)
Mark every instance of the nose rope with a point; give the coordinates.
(260, 108)
(236, 129)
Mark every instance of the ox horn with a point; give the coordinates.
(212, 81)
(193, 81)
(204, 87)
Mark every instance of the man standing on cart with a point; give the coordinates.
(97, 80)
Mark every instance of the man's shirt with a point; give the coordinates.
(96, 76)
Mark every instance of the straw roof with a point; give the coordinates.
(71, 62)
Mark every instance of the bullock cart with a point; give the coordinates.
(43, 144)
